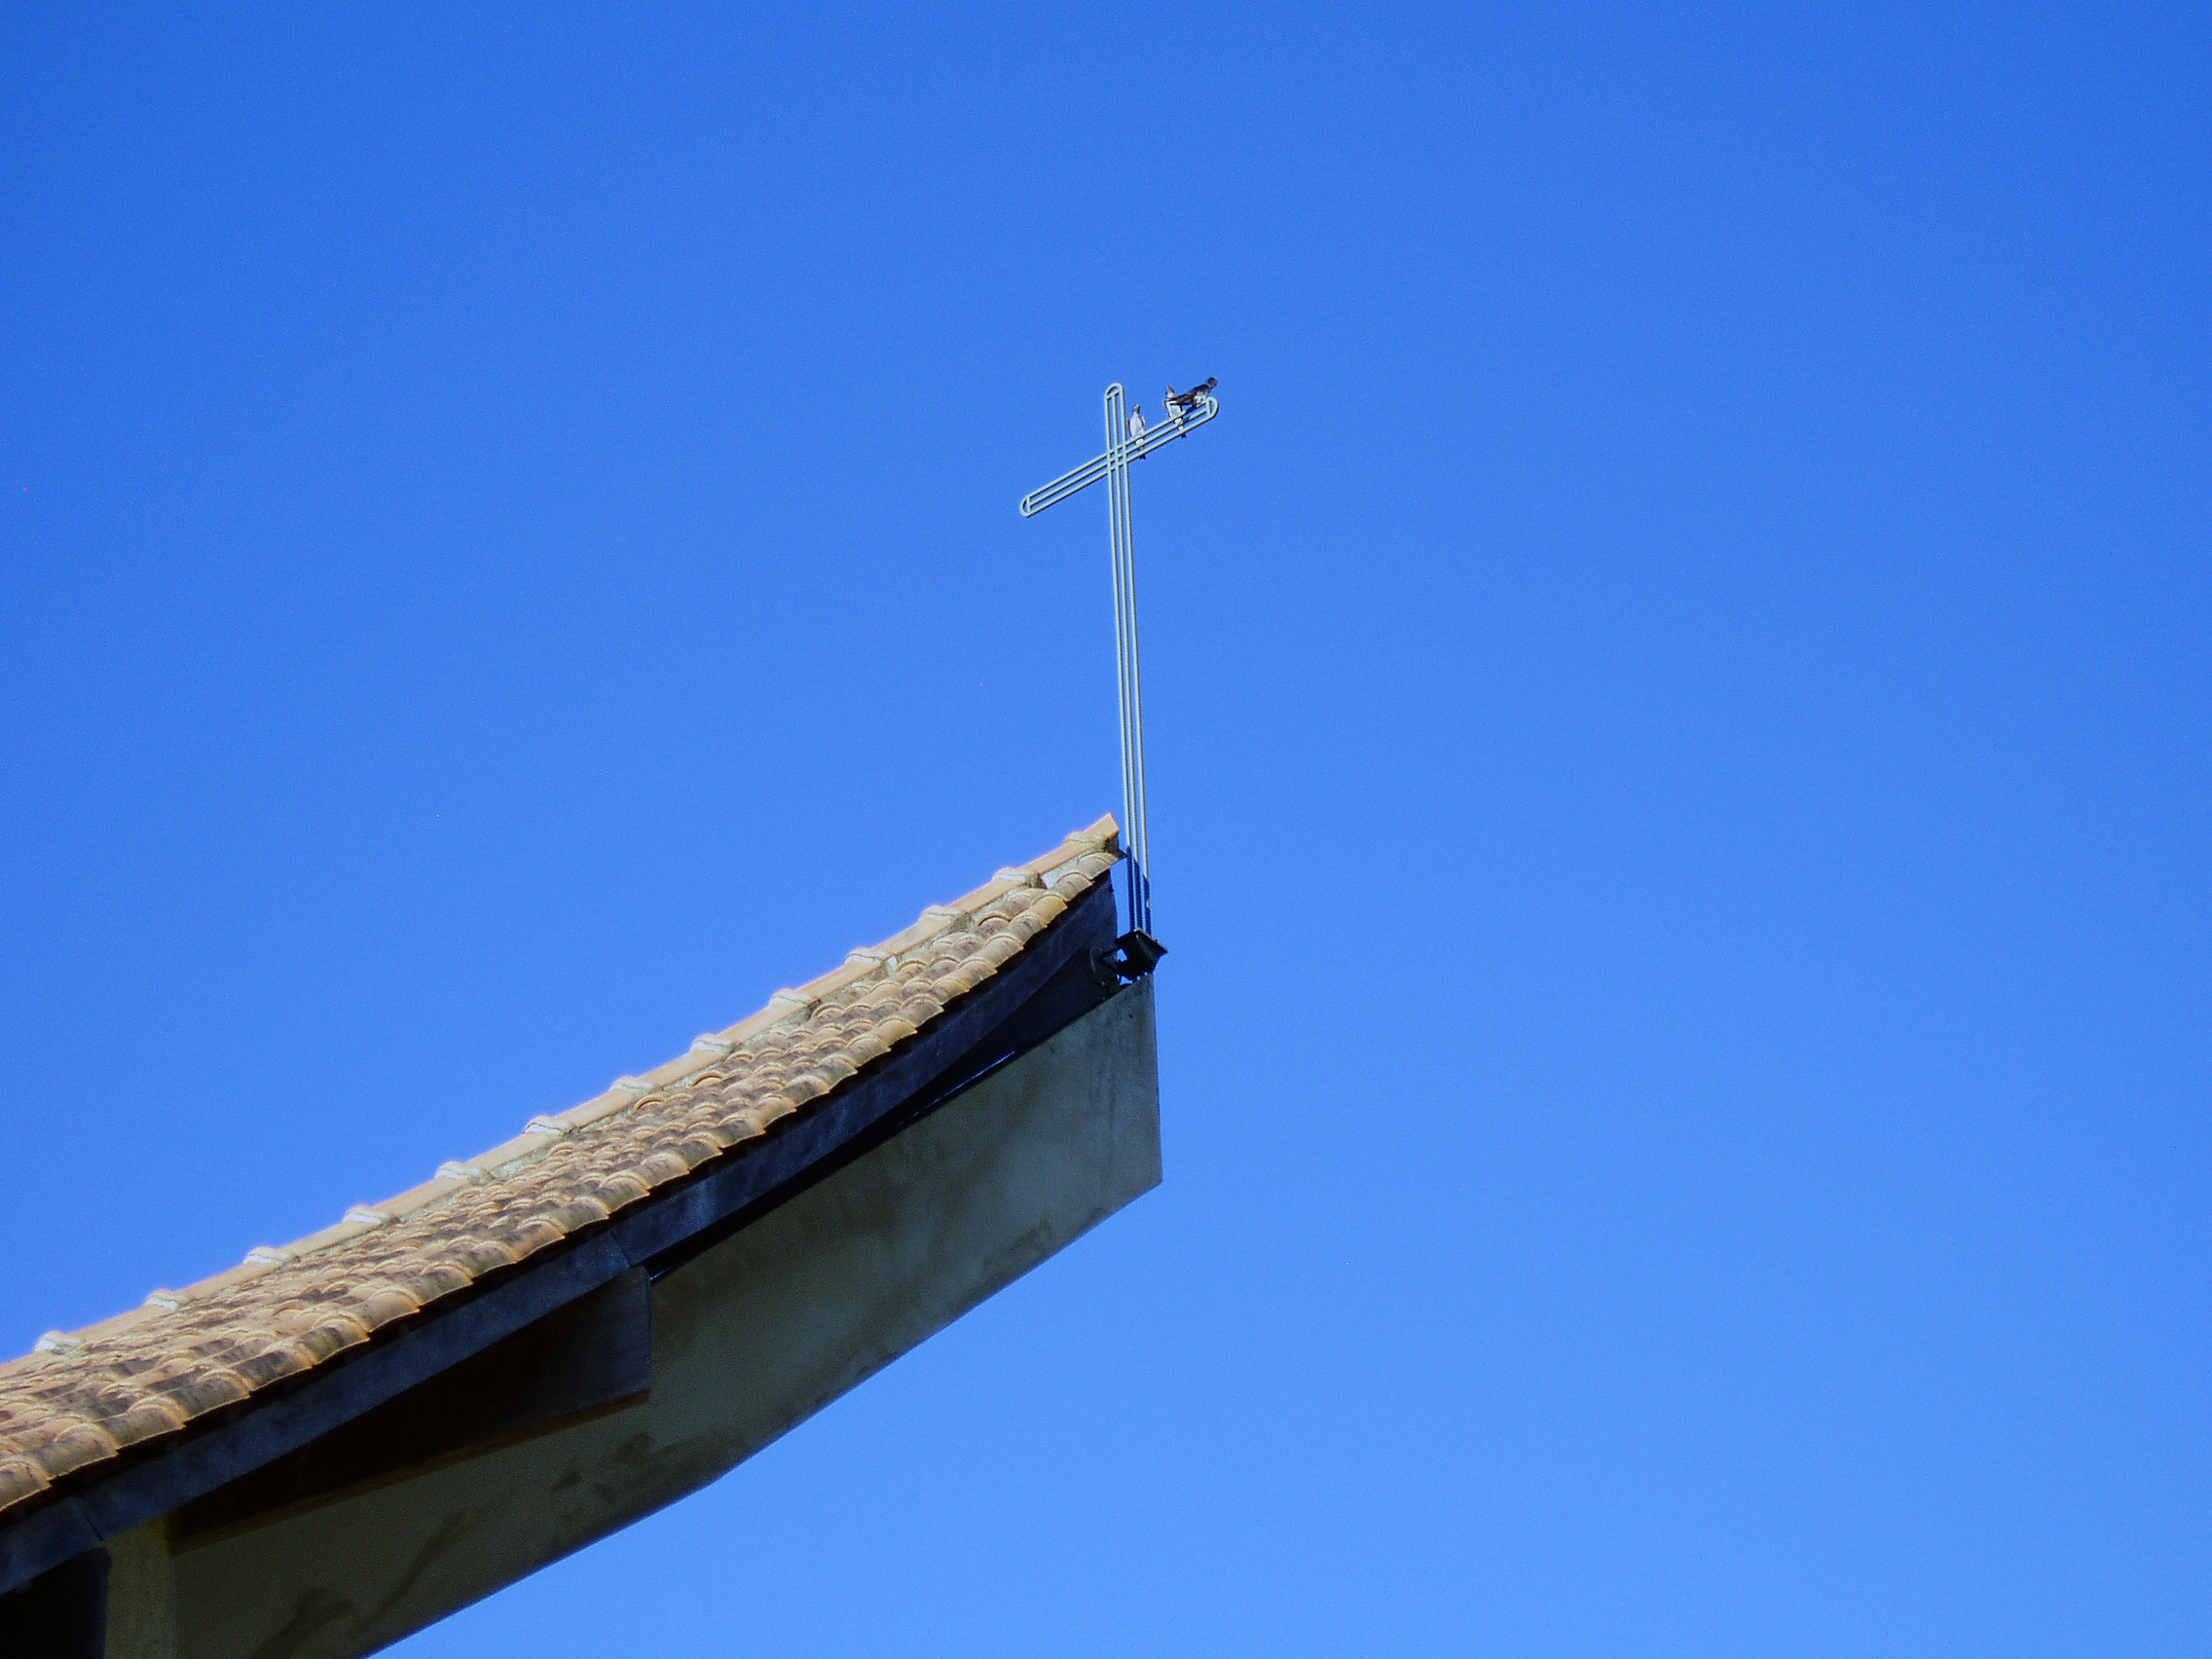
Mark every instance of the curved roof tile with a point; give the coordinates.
(83, 1397)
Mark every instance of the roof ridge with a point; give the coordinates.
(71, 1402)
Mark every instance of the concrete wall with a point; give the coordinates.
(750, 1339)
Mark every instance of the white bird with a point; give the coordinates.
(1136, 422)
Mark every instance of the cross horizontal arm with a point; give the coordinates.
(1061, 488)
(1096, 468)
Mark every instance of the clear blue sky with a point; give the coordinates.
(1680, 702)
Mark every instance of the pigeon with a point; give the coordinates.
(1136, 422)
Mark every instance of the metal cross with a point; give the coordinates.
(1129, 439)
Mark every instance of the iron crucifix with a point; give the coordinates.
(1129, 439)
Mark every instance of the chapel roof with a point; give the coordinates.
(85, 1399)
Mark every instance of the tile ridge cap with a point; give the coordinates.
(455, 1176)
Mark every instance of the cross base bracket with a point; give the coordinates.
(1128, 959)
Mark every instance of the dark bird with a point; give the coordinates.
(1186, 401)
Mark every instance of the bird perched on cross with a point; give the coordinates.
(1181, 403)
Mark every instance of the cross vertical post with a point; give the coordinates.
(1128, 440)
(1127, 662)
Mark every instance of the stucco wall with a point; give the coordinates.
(750, 1339)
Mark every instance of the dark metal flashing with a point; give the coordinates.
(1050, 983)
(580, 1361)
(1068, 993)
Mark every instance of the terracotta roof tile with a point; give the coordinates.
(83, 1396)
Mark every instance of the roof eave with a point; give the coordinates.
(1053, 981)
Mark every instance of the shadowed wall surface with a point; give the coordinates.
(748, 1339)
